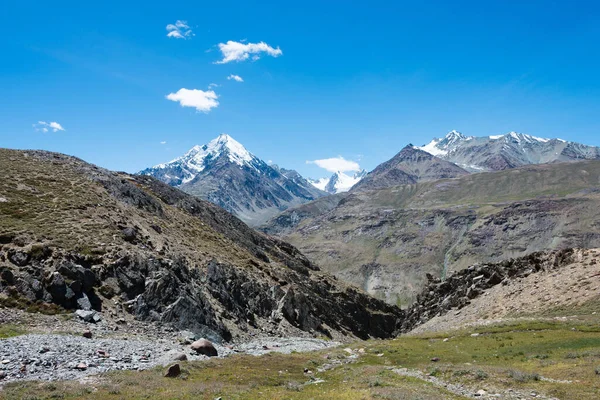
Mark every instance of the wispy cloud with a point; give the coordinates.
(201, 100)
(237, 51)
(43, 126)
(163, 142)
(236, 78)
(179, 30)
(213, 85)
(336, 164)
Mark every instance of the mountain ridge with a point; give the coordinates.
(498, 152)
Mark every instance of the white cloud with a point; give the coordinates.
(199, 99)
(163, 142)
(236, 78)
(237, 51)
(213, 85)
(43, 126)
(179, 30)
(336, 164)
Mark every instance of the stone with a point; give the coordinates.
(2, 375)
(88, 315)
(83, 303)
(435, 359)
(19, 258)
(203, 346)
(81, 367)
(87, 334)
(129, 234)
(481, 392)
(173, 371)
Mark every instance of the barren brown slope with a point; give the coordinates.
(386, 240)
(72, 233)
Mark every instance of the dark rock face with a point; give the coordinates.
(186, 297)
(459, 289)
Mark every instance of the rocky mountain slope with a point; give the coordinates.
(75, 236)
(410, 165)
(386, 240)
(555, 284)
(339, 182)
(225, 173)
(495, 153)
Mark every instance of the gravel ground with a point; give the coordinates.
(64, 357)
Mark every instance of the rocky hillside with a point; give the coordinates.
(225, 173)
(495, 153)
(386, 240)
(75, 236)
(410, 165)
(555, 284)
(458, 291)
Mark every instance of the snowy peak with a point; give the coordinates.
(221, 145)
(441, 146)
(339, 182)
(225, 173)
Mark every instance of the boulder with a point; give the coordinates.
(173, 371)
(129, 234)
(203, 346)
(87, 334)
(88, 316)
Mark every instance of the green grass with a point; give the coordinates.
(526, 356)
(9, 330)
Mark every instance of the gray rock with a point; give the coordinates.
(83, 303)
(203, 346)
(88, 316)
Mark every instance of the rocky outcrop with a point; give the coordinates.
(458, 290)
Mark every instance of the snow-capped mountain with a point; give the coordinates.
(498, 152)
(339, 182)
(224, 172)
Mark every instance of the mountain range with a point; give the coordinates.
(495, 153)
(426, 210)
(227, 174)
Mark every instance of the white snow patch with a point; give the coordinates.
(345, 182)
(432, 148)
(319, 183)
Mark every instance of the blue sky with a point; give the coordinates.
(355, 79)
